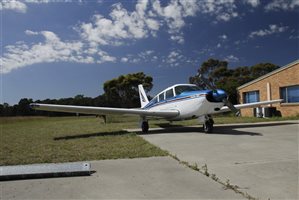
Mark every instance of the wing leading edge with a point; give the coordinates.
(103, 110)
(251, 105)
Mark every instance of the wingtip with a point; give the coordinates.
(33, 105)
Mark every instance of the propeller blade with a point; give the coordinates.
(232, 107)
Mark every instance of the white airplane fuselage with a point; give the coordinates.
(189, 104)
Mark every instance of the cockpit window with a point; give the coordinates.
(161, 97)
(169, 93)
(185, 88)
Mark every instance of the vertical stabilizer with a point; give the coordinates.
(142, 96)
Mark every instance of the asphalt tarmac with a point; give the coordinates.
(259, 159)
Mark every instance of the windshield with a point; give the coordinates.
(185, 88)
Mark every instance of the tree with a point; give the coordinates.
(23, 107)
(230, 79)
(213, 70)
(262, 69)
(123, 91)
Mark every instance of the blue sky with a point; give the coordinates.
(57, 49)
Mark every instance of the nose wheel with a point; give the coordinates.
(208, 125)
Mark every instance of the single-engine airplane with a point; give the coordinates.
(178, 102)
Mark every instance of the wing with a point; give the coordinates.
(251, 105)
(103, 110)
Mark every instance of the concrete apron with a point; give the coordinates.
(261, 159)
(144, 178)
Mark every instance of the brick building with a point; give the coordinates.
(282, 83)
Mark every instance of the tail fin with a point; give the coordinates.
(143, 98)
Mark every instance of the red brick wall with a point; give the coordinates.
(286, 77)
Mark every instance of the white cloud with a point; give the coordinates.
(223, 37)
(21, 5)
(51, 50)
(154, 59)
(135, 60)
(104, 57)
(231, 58)
(144, 56)
(178, 38)
(13, 5)
(282, 5)
(122, 25)
(223, 10)
(144, 21)
(174, 58)
(43, 1)
(29, 32)
(294, 37)
(147, 19)
(273, 28)
(253, 3)
(173, 15)
(124, 59)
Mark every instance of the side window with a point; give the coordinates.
(161, 97)
(169, 93)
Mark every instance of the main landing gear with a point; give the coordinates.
(144, 126)
(208, 124)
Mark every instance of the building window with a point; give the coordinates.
(251, 97)
(290, 94)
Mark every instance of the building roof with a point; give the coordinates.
(269, 74)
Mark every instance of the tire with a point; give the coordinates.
(208, 127)
(144, 127)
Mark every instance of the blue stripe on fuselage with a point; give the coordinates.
(181, 97)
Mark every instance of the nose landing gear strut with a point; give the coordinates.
(208, 124)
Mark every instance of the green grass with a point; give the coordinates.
(26, 140)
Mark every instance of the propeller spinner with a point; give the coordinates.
(224, 99)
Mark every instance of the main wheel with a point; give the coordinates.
(208, 126)
(144, 127)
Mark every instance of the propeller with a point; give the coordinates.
(224, 100)
(232, 107)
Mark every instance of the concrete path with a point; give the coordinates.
(145, 178)
(262, 159)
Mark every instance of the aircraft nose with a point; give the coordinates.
(219, 95)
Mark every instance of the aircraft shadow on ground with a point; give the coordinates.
(220, 130)
(171, 129)
(80, 136)
(199, 130)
